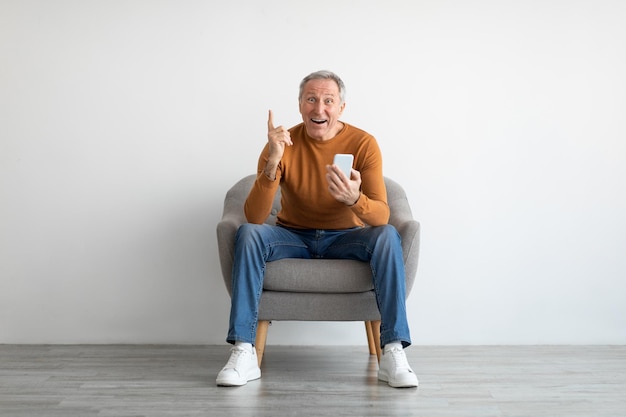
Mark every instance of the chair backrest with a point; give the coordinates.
(236, 196)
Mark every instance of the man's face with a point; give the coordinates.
(321, 107)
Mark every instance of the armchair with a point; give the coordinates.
(317, 289)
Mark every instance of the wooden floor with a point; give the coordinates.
(151, 380)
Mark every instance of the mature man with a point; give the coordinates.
(323, 215)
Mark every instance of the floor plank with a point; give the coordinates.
(155, 380)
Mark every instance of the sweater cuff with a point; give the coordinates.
(267, 183)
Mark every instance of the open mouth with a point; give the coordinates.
(318, 121)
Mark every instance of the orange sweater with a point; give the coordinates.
(305, 200)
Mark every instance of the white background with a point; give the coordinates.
(123, 123)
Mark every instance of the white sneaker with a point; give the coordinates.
(395, 370)
(242, 366)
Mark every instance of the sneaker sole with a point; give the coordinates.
(394, 384)
(256, 374)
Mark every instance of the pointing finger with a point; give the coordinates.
(270, 121)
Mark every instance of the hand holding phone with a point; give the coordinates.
(344, 162)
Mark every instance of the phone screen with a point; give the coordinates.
(344, 162)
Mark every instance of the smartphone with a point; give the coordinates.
(344, 162)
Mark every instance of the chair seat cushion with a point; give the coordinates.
(318, 275)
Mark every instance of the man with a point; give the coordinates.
(323, 214)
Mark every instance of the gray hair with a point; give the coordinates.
(324, 75)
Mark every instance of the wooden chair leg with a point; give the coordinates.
(370, 337)
(376, 332)
(372, 329)
(261, 337)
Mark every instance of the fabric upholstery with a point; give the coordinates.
(317, 289)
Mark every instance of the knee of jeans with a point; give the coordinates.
(388, 232)
(247, 232)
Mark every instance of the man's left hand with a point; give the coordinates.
(343, 189)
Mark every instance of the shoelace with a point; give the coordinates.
(236, 356)
(399, 358)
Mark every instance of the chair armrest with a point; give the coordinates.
(226, 232)
(232, 217)
(409, 229)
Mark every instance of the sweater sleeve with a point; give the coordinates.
(258, 205)
(372, 206)
(370, 211)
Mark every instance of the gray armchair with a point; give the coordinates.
(317, 289)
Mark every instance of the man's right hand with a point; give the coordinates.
(278, 138)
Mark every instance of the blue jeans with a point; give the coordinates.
(255, 245)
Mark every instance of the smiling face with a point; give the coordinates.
(321, 107)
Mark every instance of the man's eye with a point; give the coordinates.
(311, 100)
(329, 101)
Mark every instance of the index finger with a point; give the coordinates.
(270, 121)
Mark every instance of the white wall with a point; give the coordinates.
(122, 124)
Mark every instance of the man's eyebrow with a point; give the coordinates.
(313, 93)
